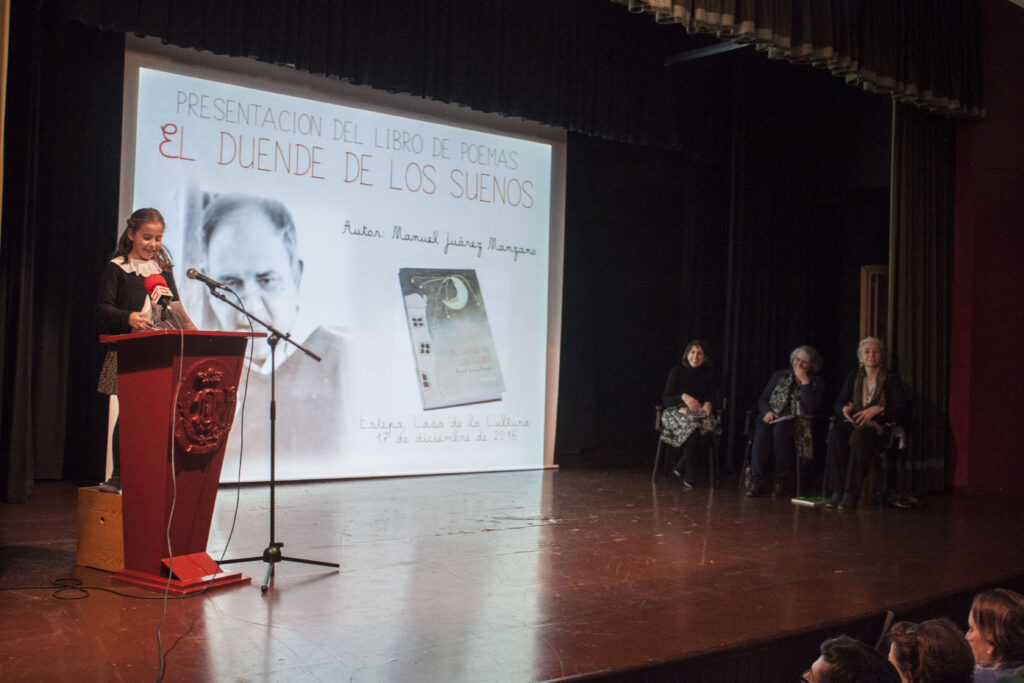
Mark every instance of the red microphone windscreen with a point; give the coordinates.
(154, 281)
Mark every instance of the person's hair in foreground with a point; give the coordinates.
(934, 651)
(998, 618)
(846, 660)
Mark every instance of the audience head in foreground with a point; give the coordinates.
(934, 651)
(996, 633)
(845, 660)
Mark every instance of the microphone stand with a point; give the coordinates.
(272, 554)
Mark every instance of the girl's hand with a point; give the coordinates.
(139, 321)
(691, 403)
(769, 416)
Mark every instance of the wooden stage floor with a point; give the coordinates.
(577, 573)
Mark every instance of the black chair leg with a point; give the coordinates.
(712, 457)
(745, 468)
(657, 460)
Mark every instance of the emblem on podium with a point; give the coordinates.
(205, 408)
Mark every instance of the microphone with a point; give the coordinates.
(158, 290)
(194, 274)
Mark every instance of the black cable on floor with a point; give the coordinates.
(70, 584)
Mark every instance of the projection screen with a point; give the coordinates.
(415, 246)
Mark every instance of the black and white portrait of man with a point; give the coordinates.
(250, 244)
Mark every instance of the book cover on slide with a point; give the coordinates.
(452, 345)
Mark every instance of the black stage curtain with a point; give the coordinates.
(641, 233)
(808, 206)
(583, 66)
(924, 52)
(63, 133)
(923, 189)
(756, 252)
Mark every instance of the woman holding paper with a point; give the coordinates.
(871, 400)
(787, 404)
(686, 418)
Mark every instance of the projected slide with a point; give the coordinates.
(411, 255)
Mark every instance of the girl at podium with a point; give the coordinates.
(122, 304)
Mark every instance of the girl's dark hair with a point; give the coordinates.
(703, 347)
(999, 616)
(139, 218)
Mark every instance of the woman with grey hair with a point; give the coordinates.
(871, 401)
(783, 434)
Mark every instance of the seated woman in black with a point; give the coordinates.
(686, 418)
(783, 434)
(871, 400)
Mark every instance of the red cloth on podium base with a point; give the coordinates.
(188, 574)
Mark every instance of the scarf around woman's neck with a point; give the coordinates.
(787, 394)
(877, 398)
(782, 394)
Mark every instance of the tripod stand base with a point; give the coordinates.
(272, 555)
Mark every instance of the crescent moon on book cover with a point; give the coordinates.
(458, 302)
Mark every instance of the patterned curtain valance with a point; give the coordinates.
(923, 52)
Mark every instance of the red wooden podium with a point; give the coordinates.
(180, 382)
